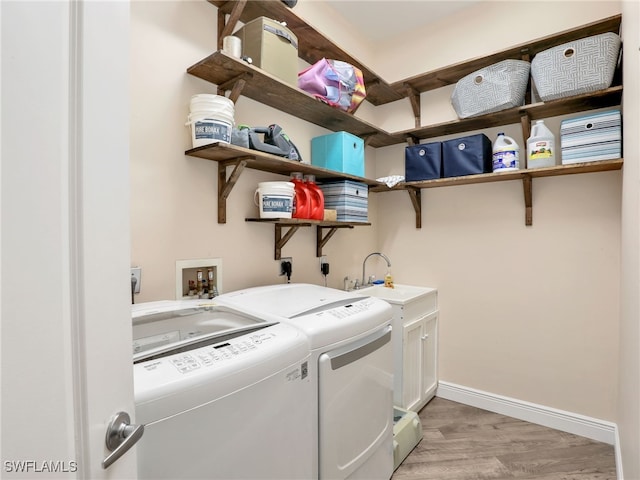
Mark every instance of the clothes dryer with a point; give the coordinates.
(351, 371)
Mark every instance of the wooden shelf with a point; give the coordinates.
(227, 72)
(224, 70)
(230, 73)
(452, 73)
(313, 45)
(240, 78)
(572, 169)
(535, 111)
(525, 175)
(293, 224)
(228, 154)
(305, 222)
(239, 158)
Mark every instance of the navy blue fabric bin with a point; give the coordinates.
(467, 156)
(423, 161)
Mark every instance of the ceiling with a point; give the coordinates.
(377, 20)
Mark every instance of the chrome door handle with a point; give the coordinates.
(424, 337)
(121, 436)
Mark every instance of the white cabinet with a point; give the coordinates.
(415, 342)
(419, 372)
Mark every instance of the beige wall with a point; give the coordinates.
(527, 312)
(174, 197)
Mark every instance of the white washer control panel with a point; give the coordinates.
(207, 356)
(354, 308)
(199, 372)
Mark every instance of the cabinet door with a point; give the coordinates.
(429, 339)
(412, 363)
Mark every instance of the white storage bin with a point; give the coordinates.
(497, 87)
(582, 66)
(407, 433)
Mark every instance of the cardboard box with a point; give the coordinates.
(423, 161)
(339, 151)
(330, 215)
(272, 47)
(468, 155)
(591, 137)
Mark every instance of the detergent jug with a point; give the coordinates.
(317, 198)
(301, 201)
(506, 154)
(541, 148)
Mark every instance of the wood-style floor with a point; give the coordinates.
(466, 443)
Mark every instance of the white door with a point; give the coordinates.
(66, 329)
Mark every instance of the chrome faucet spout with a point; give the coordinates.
(364, 280)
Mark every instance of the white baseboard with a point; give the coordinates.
(595, 429)
(619, 475)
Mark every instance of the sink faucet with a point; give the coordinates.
(364, 281)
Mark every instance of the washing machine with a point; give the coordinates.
(231, 399)
(351, 370)
(159, 325)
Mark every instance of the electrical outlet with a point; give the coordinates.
(324, 267)
(136, 272)
(281, 262)
(323, 260)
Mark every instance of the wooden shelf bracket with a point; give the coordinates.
(525, 123)
(225, 27)
(321, 241)
(293, 224)
(412, 140)
(414, 99)
(281, 241)
(366, 139)
(415, 194)
(527, 183)
(225, 185)
(235, 85)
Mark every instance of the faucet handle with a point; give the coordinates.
(356, 284)
(371, 279)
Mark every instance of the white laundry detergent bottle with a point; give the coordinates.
(506, 154)
(541, 147)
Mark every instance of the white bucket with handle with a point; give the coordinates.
(211, 119)
(274, 199)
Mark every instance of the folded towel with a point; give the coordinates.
(391, 180)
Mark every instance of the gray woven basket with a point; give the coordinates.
(497, 87)
(582, 66)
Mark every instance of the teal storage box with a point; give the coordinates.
(339, 151)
